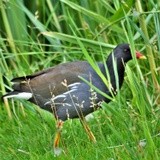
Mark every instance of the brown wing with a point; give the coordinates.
(50, 81)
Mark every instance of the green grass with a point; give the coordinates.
(37, 35)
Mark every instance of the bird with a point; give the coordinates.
(74, 89)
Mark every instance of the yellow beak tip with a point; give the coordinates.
(142, 57)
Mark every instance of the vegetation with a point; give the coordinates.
(38, 34)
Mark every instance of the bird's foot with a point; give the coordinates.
(57, 151)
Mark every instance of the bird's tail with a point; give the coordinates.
(20, 89)
(18, 95)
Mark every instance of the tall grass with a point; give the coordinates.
(39, 34)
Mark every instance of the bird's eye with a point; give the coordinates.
(126, 50)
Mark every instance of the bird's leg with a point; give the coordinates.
(87, 129)
(58, 133)
(7, 107)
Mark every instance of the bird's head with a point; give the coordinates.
(123, 52)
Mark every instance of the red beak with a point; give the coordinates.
(140, 55)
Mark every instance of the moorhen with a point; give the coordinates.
(63, 89)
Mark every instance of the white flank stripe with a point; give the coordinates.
(74, 84)
(22, 95)
(59, 96)
(74, 87)
(70, 91)
(49, 102)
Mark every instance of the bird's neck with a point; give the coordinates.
(115, 73)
